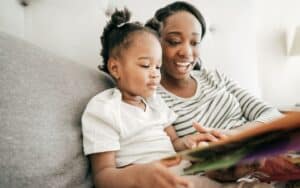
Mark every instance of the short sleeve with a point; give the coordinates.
(99, 130)
(171, 116)
(158, 103)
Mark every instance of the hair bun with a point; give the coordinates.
(154, 24)
(120, 17)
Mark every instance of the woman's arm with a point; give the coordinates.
(150, 175)
(253, 108)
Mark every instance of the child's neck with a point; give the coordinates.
(135, 101)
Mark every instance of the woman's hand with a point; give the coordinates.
(157, 174)
(203, 137)
(201, 129)
(196, 140)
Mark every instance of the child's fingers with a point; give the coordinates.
(169, 180)
(172, 161)
(189, 141)
(182, 182)
(200, 128)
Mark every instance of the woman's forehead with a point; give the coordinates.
(182, 22)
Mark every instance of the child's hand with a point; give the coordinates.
(156, 174)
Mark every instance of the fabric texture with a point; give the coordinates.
(137, 136)
(41, 101)
(218, 103)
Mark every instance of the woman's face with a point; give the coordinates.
(180, 39)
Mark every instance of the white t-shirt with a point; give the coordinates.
(137, 136)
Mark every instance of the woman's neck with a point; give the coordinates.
(181, 87)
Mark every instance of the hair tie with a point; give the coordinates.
(121, 24)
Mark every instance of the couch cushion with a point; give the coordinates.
(41, 100)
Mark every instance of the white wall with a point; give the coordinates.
(69, 28)
(230, 47)
(11, 18)
(279, 75)
(246, 42)
(230, 44)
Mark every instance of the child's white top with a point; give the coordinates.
(137, 136)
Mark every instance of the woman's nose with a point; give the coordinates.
(186, 50)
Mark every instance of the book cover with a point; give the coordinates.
(277, 143)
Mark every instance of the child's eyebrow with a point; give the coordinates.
(143, 58)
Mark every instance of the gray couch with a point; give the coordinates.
(42, 97)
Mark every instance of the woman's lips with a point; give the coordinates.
(183, 67)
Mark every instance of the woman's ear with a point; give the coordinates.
(114, 68)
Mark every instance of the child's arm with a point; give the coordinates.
(150, 175)
(192, 141)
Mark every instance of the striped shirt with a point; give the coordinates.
(218, 103)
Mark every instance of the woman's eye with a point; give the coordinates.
(157, 67)
(173, 42)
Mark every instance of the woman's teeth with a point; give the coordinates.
(182, 67)
(183, 63)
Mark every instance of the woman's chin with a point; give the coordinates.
(183, 71)
(182, 74)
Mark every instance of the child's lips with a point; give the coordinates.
(152, 85)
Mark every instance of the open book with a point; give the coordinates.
(280, 137)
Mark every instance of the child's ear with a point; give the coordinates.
(114, 68)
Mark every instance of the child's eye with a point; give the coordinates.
(195, 43)
(157, 67)
(145, 66)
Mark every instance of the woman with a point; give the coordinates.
(203, 96)
(207, 97)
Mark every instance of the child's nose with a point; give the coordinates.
(155, 73)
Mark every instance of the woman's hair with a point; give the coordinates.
(117, 35)
(163, 13)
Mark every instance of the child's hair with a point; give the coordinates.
(117, 35)
(163, 13)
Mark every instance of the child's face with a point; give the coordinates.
(139, 72)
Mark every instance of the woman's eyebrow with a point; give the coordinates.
(179, 33)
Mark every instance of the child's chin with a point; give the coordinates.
(150, 94)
